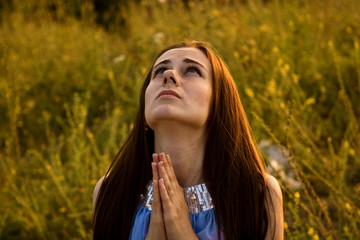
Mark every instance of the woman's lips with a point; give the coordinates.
(168, 93)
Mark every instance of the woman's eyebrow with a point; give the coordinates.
(188, 60)
(162, 62)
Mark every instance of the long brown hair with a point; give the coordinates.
(233, 169)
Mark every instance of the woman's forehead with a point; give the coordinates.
(183, 53)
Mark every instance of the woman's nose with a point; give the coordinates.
(169, 76)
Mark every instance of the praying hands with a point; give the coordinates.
(170, 215)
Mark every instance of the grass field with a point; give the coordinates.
(69, 90)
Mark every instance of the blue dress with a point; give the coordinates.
(201, 211)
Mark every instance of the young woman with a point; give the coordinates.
(189, 169)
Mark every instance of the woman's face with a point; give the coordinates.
(180, 89)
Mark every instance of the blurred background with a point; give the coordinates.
(70, 74)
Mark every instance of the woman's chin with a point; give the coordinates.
(175, 122)
(175, 116)
(163, 112)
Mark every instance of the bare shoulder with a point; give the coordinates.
(275, 208)
(96, 191)
(274, 188)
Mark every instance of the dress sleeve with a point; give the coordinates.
(140, 224)
(205, 226)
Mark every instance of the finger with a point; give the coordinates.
(155, 171)
(163, 175)
(156, 203)
(169, 160)
(156, 228)
(155, 157)
(162, 157)
(169, 168)
(165, 200)
(161, 160)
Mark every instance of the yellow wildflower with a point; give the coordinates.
(90, 135)
(348, 207)
(111, 75)
(264, 28)
(117, 111)
(214, 12)
(271, 87)
(318, 76)
(323, 89)
(309, 101)
(63, 209)
(311, 231)
(236, 54)
(285, 69)
(60, 178)
(352, 152)
(275, 49)
(66, 58)
(249, 92)
(330, 44)
(46, 115)
(295, 78)
(286, 226)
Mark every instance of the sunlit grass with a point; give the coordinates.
(69, 91)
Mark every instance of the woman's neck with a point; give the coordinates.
(186, 150)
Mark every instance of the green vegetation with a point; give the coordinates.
(69, 91)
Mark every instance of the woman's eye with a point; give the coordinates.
(159, 71)
(193, 69)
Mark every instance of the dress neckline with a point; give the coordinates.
(197, 198)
